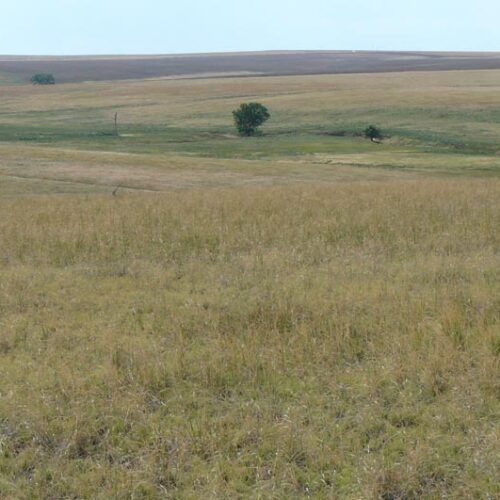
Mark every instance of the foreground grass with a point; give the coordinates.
(279, 342)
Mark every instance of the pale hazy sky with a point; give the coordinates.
(165, 26)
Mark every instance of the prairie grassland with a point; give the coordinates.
(324, 341)
(302, 314)
(60, 138)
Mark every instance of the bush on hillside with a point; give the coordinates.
(249, 116)
(43, 79)
(372, 132)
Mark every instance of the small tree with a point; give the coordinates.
(249, 116)
(372, 132)
(43, 79)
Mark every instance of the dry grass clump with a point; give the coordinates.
(323, 342)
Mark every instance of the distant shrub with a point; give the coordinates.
(43, 79)
(249, 116)
(372, 132)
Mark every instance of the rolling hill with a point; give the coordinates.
(98, 68)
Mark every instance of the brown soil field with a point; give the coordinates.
(84, 68)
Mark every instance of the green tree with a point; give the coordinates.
(249, 116)
(43, 79)
(372, 132)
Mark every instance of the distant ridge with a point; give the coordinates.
(269, 63)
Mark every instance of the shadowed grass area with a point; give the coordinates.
(298, 341)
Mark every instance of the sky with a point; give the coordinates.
(67, 27)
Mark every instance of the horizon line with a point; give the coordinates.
(247, 52)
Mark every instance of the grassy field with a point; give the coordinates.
(60, 138)
(302, 314)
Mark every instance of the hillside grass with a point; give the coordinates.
(300, 341)
(438, 123)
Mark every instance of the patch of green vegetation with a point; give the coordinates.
(206, 142)
(92, 128)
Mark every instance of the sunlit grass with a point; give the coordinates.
(317, 341)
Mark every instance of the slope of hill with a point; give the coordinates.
(83, 68)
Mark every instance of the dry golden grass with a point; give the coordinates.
(98, 171)
(294, 331)
(314, 341)
(172, 99)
